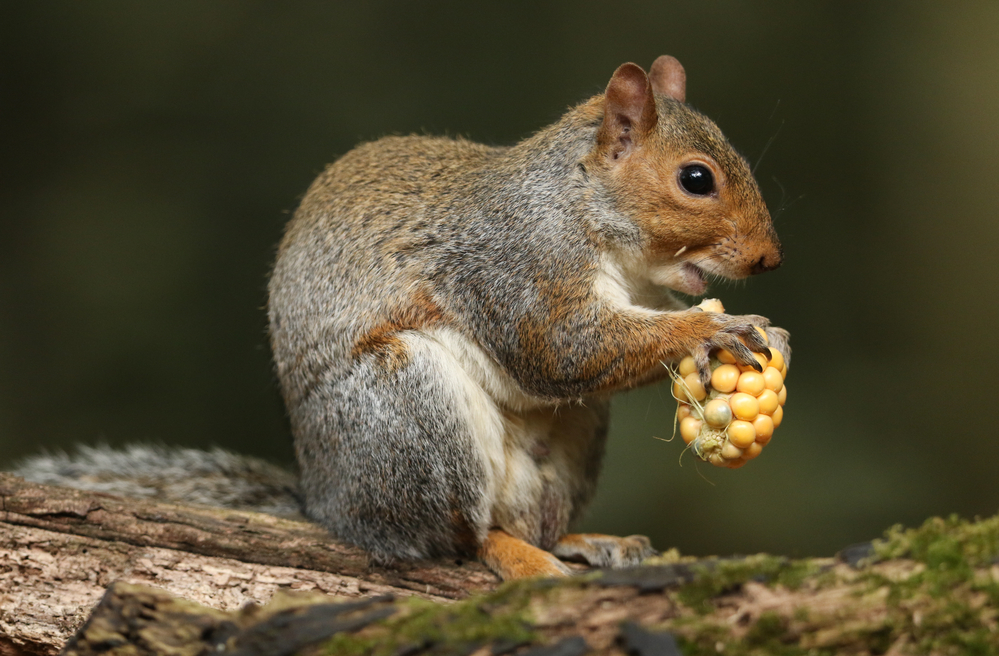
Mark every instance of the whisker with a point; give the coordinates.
(784, 202)
(783, 194)
(776, 107)
(767, 147)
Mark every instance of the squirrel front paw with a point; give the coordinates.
(779, 338)
(604, 550)
(739, 335)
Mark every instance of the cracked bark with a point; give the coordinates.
(60, 549)
(179, 580)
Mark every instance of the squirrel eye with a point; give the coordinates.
(697, 179)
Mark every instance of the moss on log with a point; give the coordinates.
(931, 590)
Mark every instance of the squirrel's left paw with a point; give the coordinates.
(604, 550)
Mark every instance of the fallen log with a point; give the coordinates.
(927, 591)
(185, 576)
(60, 548)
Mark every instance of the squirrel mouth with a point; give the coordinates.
(683, 277)
(691, 280)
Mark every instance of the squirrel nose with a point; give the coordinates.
(767, 262)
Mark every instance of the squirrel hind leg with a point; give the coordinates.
(512, 558)
(600, 550)
(388, 461)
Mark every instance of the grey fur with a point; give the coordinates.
(400, 467)
(216, 477)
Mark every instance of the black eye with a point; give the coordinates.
(697, 180)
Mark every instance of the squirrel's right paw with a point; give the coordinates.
(736, 334)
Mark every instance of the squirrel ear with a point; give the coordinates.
(668, 77)
(629, 109)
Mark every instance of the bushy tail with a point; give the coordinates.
(214, 478)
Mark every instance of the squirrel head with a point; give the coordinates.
(700, 210)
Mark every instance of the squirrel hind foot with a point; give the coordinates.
(604, 550)
(512, 558)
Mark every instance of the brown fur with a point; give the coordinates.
(383, 339)
(512, 558)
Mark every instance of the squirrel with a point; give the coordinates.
(449, 321)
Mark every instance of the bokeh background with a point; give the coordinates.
(151, 152)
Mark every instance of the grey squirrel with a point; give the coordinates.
(449, 320)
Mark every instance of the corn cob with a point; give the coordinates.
(730, 422)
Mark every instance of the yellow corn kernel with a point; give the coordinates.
(731, 452)
(764, 427)
(682, 412)
(772, 379)
(741, 433)
(687, 366)
(711, 305)
(689, 429)
(751, 382)
(693, 382)
(769, 401)
(776, 359)
(763, 334)
(725, 356)
(725, 378)
(753, 450)
(762, 359)
(689, 387)
(744, 406)
(782, 395)
(778, 416)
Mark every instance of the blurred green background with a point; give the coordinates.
(151, 153)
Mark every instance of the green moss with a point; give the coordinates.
(767, 637)
(501, 615)
(945, 604)
(824, 578)
(942, 604)
(769, 627)
(708, 636)
(944, 543)
(712, 579)
(794, 573)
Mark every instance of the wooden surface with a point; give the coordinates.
(60, 549)
(179, 580)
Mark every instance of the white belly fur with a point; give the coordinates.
(530, 446)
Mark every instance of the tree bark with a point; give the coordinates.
(60, 548)
(181, 578)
